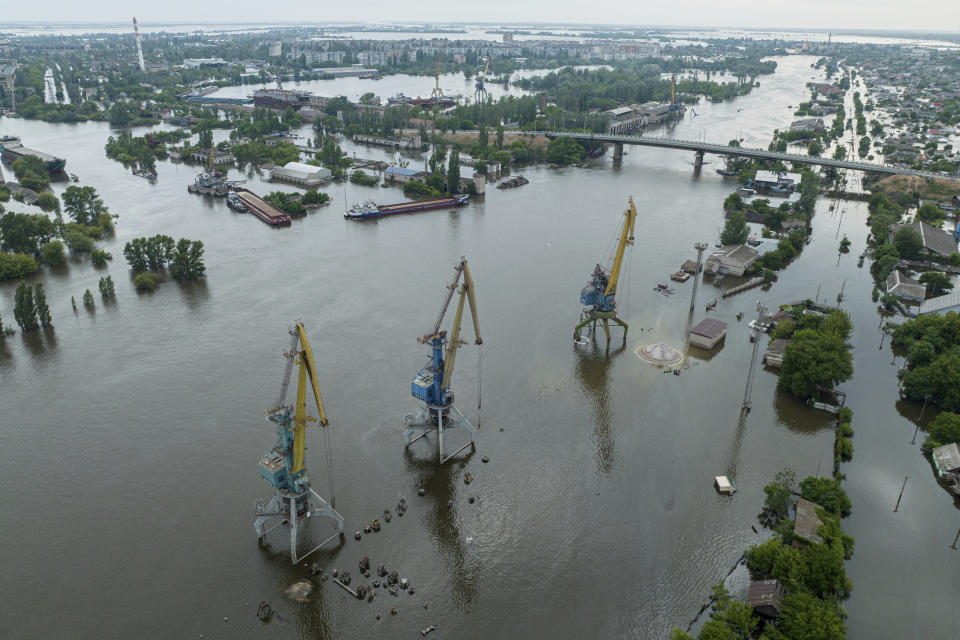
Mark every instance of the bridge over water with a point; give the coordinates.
(701, 148)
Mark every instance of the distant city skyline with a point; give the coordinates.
(923, 15)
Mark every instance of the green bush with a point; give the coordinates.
(47, 201)
(314, 197)
(414, 188)
(845, 448)
(16, 265)
(845, 414)
(53, 252)
(845, 430)
(78, 241)
(146, 281)
(944, 429)
(100, 257)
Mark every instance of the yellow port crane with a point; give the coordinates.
(599, 296)
(284, 466)
(436, 92)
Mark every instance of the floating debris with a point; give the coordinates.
(467, 478)
(316, 569)
(428, 630)
(412, 591)
(387, 515)
(264, 611)
(357, 535)
(381, 570)
(299, 590)
(375, 525)
(404, 583)
(393, 578)
(393, 611)
(345, 577)
(421, 491)
(470, 500)
(365, 563)
(484, 459)
(361, 592)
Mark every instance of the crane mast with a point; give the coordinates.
(481, 95)
(599, 296)
(432, 384)
(284, 466)
(436, 92)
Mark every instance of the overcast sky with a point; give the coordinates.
(938, 15)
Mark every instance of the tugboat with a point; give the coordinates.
(235, 203)
(365, 209)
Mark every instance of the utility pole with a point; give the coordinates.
(761, 310)
(700, 247)
(901, 493)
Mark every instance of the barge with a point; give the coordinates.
(261, 208)
(12, 149)
(370, 209)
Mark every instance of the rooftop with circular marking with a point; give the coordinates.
(661, 354)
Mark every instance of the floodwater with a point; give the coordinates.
(131, 433)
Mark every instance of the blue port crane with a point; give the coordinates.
(600, 295)
(480, 95)
(284, 467)
(432, 384)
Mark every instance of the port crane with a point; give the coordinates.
(480, 96)
(284, 467)
(432, 384)
(436, 92)
(599, 296)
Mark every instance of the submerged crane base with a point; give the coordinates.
(606, 317)
(293, 510)
(436, 418)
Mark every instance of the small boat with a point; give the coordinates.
(74, 177)
(712, 304)
(747, 191)
(680, 276)
(727, 174)
(235, 203)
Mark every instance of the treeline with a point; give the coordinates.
(148, 257)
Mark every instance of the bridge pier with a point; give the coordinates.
(698, 161)
(617, 150)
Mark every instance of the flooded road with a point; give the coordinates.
(131, 434)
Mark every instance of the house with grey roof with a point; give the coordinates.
(935, 240)
(905, 288)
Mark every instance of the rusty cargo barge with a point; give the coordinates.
(261, 208)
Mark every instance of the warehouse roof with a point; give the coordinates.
(710, 328)
(306, 168)
(402, 171)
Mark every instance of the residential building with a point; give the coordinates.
(765, 597)
(276, 49)
(935, 240)
(8, 75)
(807, 522)
(776, 179)
(947, 461)
(905, 288)
(774, 353)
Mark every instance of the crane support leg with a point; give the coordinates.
(293, 511)
(439, 419)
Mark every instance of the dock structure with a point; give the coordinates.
(262, 209)
(755, 282)
(412, 143)
(367, 163)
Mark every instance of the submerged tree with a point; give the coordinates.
(24, 309)
(735, 231)
(40, 301)
(187, 261)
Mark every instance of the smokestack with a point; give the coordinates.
(136, 36)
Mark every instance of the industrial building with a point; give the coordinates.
(196, 63)
(731, 260)
(301, 174)
(708, 333)
(941, 304)
(947, 461)
(403, 174)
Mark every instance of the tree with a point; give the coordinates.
(40, 302)
(88, 298)
(453, 173)
(500, 136)
(780, 494)
(936, 281)
(814, 359)
(53, 252)
(145, 281)
(135, 252)
(944, 429)
(931, 214)
(735, 231)
(887, 256)
(908, 243)
(107, 289)
(100, 257)
(815, 148)
(78, 241)
(483, 137)
(83, 204)
(733, 202)
(564, 150)
(47, 201)
(31, 172)
(804, 617)
(24, 308)
(23, 232)
(827, 493)
(187, 261)
(159, 250)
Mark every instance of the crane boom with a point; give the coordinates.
(307, 371)
(626, 239)
(443, 309)
(466, 292)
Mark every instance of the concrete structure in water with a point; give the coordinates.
(708, 333)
